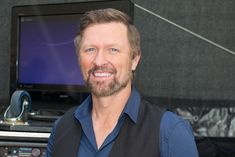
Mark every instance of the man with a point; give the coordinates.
(114, 121)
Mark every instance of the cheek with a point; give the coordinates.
(85, 65)
(124, 68)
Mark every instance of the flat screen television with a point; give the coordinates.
(43, 58)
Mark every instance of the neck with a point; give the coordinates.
(106, 111)
(110, 105)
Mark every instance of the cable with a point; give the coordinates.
(185, 29)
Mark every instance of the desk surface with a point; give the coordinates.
(26, 136)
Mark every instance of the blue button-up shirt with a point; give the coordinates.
(176, 138)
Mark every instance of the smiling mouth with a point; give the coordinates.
(102, 74)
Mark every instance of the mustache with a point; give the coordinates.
(105, 67)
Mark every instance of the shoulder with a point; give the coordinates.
(172, 119)
(176, 136)
(150, 107)
(172, 123)
(64, 120)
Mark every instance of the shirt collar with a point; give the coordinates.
(84, 109)
(132, 106)
(131, 109)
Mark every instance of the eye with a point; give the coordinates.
(114, 50)
(89, 50)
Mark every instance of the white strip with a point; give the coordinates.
(185, 29)
(24, 134)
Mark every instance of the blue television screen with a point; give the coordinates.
(47, 53)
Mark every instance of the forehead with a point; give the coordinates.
(112, 25)
(106, 31)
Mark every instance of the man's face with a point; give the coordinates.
(105, 58)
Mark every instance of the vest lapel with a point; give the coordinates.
(140, 139)
(68, 136)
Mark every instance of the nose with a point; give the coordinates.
(99, 58)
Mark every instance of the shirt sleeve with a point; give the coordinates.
(50, 140)
(176, 137)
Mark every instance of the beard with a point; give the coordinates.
(104, 88)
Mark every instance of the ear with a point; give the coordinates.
(135, 62)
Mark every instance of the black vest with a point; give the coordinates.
(134, 140)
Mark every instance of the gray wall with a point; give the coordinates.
(174, 62)
(178, 64)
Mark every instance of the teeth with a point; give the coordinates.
(102, 74)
